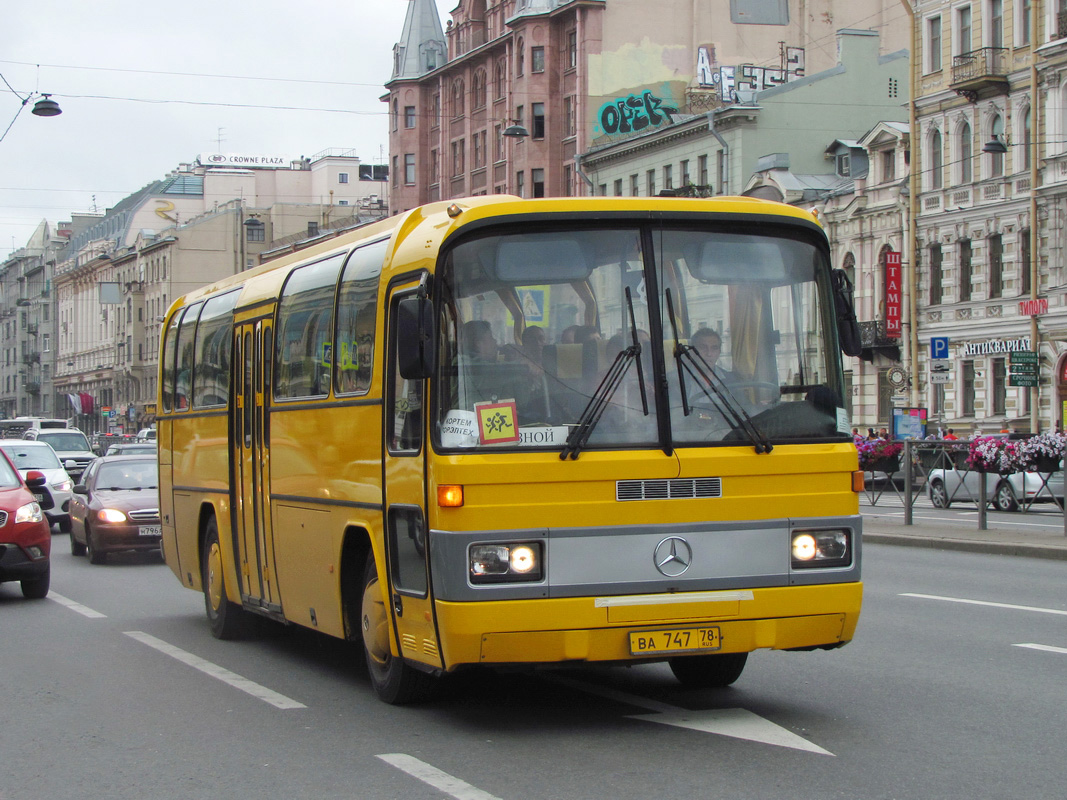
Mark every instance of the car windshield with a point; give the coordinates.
(132, 474)
(631, 337)
(8, 477)
(32, 457)
(66, 442)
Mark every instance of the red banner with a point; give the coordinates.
(892, 294)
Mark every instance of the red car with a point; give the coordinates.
(116, 508)
(25, 535)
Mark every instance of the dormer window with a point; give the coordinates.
(844, 164)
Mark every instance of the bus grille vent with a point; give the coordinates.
(675, 489)
(429, 647)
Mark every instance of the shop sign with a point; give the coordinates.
(1033, 308)
(994, 347)
(893, 294)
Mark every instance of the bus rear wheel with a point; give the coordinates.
(394, 681)
(712, 671)
(228, 620)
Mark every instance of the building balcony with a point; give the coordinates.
(980, 73)
(32, 357)
(32, 387)
(874, 341)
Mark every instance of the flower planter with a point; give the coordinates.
(1046, 464)
(886, 465)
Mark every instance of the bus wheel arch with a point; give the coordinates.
(354, 553)
(712, 671)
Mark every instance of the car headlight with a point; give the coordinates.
(112, 515)
(62, 486)
(817, 549)
(505, 563)
(31, 512)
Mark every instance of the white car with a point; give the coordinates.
(54, 496)
(1004, 492)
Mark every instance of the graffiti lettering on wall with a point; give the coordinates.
(730, 81)
(635, 113)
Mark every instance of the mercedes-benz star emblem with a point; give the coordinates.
(672, 556)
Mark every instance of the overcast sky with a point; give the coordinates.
(146, 86)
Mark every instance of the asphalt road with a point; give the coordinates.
(953, 688)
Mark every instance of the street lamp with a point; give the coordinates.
(46, 107)
(995, 145)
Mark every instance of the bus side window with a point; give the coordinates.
(305, 321)
(357, 307)
(183, 385)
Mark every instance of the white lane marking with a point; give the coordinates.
(738, 723)
(1046, 647)
(1011, 606)
(215, 671)
(85, 611)
(449, 784)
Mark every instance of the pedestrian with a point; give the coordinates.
(950, 436)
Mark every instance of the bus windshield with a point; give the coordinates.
(636, 336)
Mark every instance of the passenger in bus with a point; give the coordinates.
(478, 342)
(708, 344)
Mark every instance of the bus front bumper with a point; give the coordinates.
(598, 629)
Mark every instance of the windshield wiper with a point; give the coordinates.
(689, 360)
(598, 403)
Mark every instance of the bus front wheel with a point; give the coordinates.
(708, 672)
(394, 681)
(228, 620)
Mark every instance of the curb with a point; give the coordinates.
(970, 545)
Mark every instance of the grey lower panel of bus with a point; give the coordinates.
(623, 559)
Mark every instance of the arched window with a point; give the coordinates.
(936, 161)
(1027, 139)
(520, 59)
(966, 154)
(996, 160)
(457, 98)
(478, 90)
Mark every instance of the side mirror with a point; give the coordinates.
(416, 338)
(35, 479)
(79, 488)
(70, 463)
(848, 329)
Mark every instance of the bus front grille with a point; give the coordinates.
(673, 489)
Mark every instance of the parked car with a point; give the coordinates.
(131, 449)
(116, 508)
(1004, 492)
(54, 496)
(146, 435)
(70, 445)
(25, 538)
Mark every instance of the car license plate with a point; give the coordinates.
(674, 641)
(150, 530)
(38, 497)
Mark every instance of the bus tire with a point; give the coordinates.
(394, 681)
(228, 620)
(708, 672)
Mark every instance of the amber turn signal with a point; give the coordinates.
(857, 480)
(450, 496)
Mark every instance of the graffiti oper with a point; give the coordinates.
(635, 113)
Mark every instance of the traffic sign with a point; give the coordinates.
(1022, 380)
(1022, 357)
(940, 377)
(939, 347)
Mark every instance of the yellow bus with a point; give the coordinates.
(498, 431)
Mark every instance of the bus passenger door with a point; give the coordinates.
(251, 459)
(404, 463)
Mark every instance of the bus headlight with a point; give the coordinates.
(505, 563)
(814, 549)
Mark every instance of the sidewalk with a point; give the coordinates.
(1006, 539)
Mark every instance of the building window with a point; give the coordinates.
(967, 388)
(936, 171)
(520, 183)
(996, 265)
(668, 176)
(568, 180)
(256, 233)
(720, 172)
(1000, 388)
(458, 148)
(538, 114)
(479, 149)
(650, 182)
(569, 127)
(635, 186)
(885, 395)
(702, 170)
(435, 166)
(936, 278)
(396, 171)
(1023, 28)
(889, 165)
(457, 99)
(1027, 143)
(409, 169)
(409, 116)
(478, 90)
(844, 164)
(602, 190)
(963, 31)
(618, 187)
(537, 59)
(996, 160)
(572, 49)
(396, 114)
(966, 154)
(46, 343)
(537, 177)
(684, 177)
(996, 23)
(498, 147)
(520, 57)
(436, 110)
(1024, 262)
(933, 44)
(501, 78)
(342, 177)
(965, 270)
